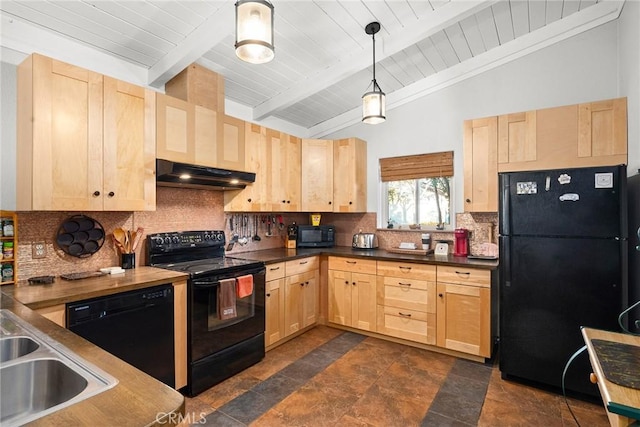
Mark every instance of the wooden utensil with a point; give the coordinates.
(119, 239)
(136, 239)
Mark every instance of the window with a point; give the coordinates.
(417, 190)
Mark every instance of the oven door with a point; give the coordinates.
(208, 333)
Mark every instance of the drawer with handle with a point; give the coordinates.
(464, 276)
(355, 265)
(407, 324)
(412, 294)
(301, 265)
(274, 271)
(407, 270)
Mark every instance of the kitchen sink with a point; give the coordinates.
(14, 347)
(40, 375)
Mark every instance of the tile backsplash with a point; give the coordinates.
(191, 209)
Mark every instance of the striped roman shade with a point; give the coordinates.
(418, 166)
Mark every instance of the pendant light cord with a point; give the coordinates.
(374, 61)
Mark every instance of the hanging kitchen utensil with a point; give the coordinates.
(243, 240)
(256, 237)
(268, 226)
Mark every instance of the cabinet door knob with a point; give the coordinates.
(468, 200)
(268, 295)
(329, 202)
(111, 194)
(284, 201)
(350, 203)
(441, 295)
(249, 200)
(353, 283)
(346, 282)
(96, 193)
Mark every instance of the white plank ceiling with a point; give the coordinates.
(323, 55)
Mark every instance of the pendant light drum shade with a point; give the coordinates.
(373, 107)
(254, 31)
(373, 102)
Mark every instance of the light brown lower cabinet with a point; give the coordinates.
(302, 293)
(464, 310)
(406, 301)
(274, 304)
(352, 293)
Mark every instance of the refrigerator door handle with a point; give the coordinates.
(504, 203)
(505, 260)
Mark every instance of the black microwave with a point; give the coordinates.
(320, 236)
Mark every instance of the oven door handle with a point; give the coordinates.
(205, 283)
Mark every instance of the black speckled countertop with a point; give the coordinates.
(270, 256)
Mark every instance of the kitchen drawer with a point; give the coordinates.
(407, 270)
(412, 294)
(464, 276)
(407, 324)
(355, 265)
(275, 271)
(302, 265)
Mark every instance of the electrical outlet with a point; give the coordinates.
(38, 250)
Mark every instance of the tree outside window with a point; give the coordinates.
(425, 201)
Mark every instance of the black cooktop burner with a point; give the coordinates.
(198, 253)
(207, 266)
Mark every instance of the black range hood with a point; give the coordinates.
(174, 174)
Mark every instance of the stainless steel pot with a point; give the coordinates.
(365, 241)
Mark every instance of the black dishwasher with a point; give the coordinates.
(135, 326)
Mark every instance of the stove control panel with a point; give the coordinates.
(186, 239)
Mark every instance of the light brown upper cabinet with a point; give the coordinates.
(186, 132)
(283, 180)
(481, 165)
(517, 137)
(85, 141)
(571, 136)
(349, 175)
(253, 198)
(294, 175)
(275, 159)
(317, 175)
(232, 146)
(602, 130)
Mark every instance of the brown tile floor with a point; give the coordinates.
(330, 378)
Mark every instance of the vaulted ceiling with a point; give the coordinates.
(323, 55)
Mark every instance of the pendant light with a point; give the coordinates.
(254, 31)
(373, 102)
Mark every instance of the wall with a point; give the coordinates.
(629, 66)
(579, 69)
(7, 136)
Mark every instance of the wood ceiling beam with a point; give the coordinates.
(211, 32)
(591, 17)
(353, 62)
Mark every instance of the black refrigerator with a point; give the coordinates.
(563, 252)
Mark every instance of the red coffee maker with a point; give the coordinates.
(461, 245)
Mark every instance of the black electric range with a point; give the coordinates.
(218, 346)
